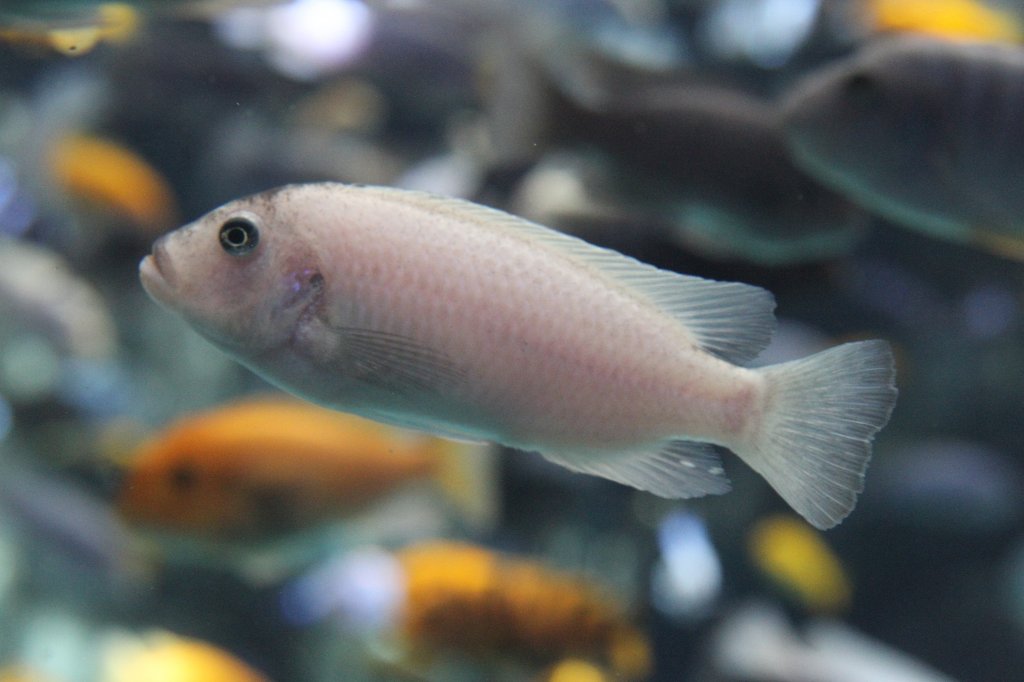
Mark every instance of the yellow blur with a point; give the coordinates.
(165, 657)
(795, 556)
(953, 19)
(575, 670)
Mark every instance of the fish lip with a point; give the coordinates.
(156, 273)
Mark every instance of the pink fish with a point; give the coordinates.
(461, 320)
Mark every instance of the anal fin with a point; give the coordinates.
(678, 469)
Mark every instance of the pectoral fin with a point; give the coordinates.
(395, 363)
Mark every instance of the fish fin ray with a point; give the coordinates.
(678, 469)
(820, 417)
(396, 363)
(731, 320)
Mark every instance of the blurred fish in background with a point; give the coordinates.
(74, 189)
(265, 467)
(921, 131)
(574, 670)
(166, 657)
(757, 643)
(69, 533)
(71, 35)
(715, 163)
(69, 311)
(687, 580)
(796, 558)
(707, 162)
(115, 179)
(438, 599)
(56, 331)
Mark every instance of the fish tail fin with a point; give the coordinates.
(467, 475)
(820, 414)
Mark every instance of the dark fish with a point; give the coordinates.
(718, 156)
(922, 131)
(709, 160)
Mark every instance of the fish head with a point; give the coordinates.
(243, 275)
(869, 123)
(175, 483)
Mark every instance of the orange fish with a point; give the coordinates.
(472, 601)
(164, 657)
(263, 467)
(115, 179)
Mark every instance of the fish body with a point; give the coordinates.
(921, 131)
(468, 598)
(257, 468)
(461, 320)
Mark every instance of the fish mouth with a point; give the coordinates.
(156, 273)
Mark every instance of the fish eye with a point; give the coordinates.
(860, 84)
(184, 477)
(239, 236)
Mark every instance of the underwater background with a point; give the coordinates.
(860, 159)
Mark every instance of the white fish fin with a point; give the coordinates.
(820, 415)
(679, 469)
(731, 320)
(395, 363)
